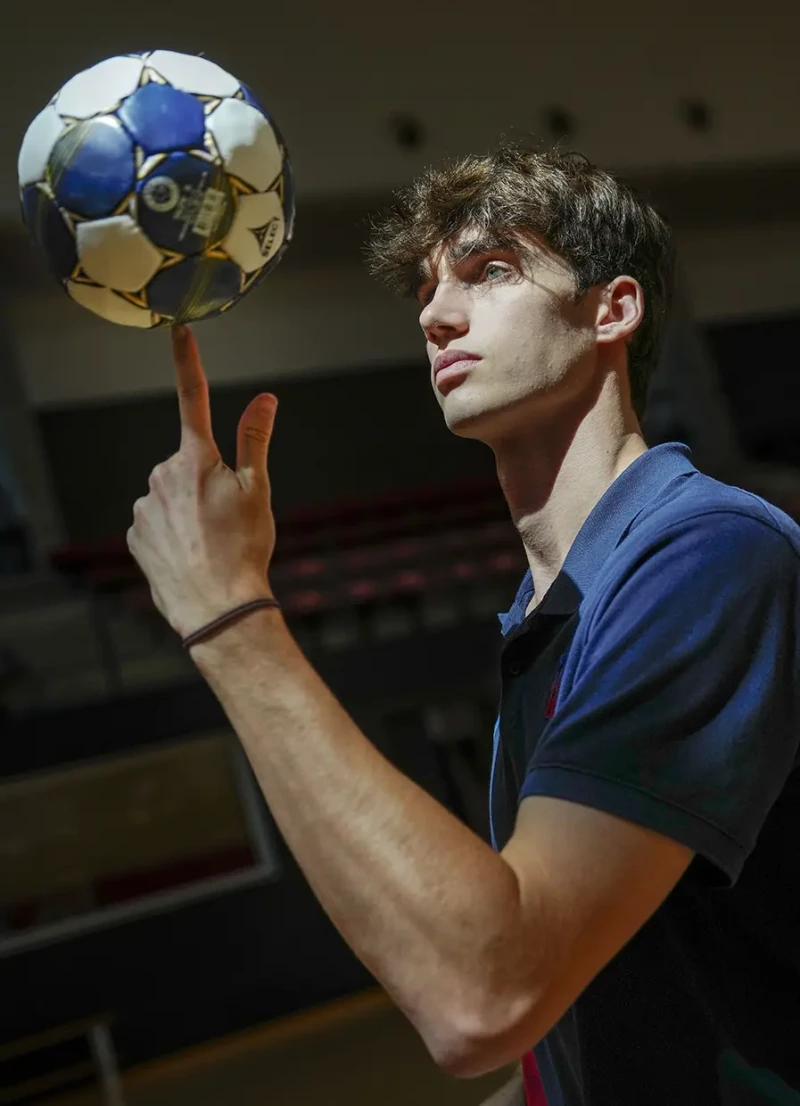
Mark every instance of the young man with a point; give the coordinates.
(636, 924)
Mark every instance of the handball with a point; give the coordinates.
(158, 188)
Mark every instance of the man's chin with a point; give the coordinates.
(470, 422)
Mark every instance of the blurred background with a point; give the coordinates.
(157, 942)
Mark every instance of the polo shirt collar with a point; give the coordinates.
(641, 482)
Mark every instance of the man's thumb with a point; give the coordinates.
(254, 434)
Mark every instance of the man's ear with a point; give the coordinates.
(620, 310)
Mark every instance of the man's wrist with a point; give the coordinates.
(259, 628)
(214, 603)
(220, 622)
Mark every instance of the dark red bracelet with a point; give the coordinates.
(205, 632)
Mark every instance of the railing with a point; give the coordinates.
(61, 1059)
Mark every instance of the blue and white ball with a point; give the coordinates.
(158, 187)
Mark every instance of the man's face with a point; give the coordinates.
(526, 341)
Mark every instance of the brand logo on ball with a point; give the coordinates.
(161, 194)
(265, 236)
(204, 209)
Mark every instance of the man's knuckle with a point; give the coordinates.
(160, 474)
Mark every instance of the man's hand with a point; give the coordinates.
(205, 534)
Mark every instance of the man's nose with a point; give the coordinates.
(444, 317)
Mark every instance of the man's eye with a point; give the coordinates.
(493, 271)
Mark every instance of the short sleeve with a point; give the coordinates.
(681, 713)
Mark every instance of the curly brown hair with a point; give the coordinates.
(593, 220)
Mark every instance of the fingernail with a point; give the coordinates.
(181, 332)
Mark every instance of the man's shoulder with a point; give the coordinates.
(707, 541)
(711, 510)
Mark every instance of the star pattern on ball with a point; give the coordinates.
(265, 235)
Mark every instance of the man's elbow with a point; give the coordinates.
(475, 1043)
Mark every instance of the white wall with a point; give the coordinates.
(293, 324)
(332, 74)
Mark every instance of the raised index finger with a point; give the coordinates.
(193, 400)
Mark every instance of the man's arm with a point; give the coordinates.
(483, 952)
(426, 905)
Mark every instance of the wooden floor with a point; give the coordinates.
(359, 1052)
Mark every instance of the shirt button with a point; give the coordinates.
(514, 668)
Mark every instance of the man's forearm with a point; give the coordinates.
(423, 902)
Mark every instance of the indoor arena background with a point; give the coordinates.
(157, 942)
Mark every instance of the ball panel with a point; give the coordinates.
(246, 142)
(100, 88)
(185, 204)
(40, 137)
(49, 231)
(279, 137)
(250, 98)
(117, 253)
(257, 231)
(161, 118)
(273, 262)
(215, 312)
(193, 74)
(194, 288)
(92, 167)
(256, 278)
(110, 306)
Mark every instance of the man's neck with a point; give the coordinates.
(552, 481)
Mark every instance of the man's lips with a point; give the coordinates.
(449, 358)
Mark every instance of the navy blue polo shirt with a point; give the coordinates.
(659, 680)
